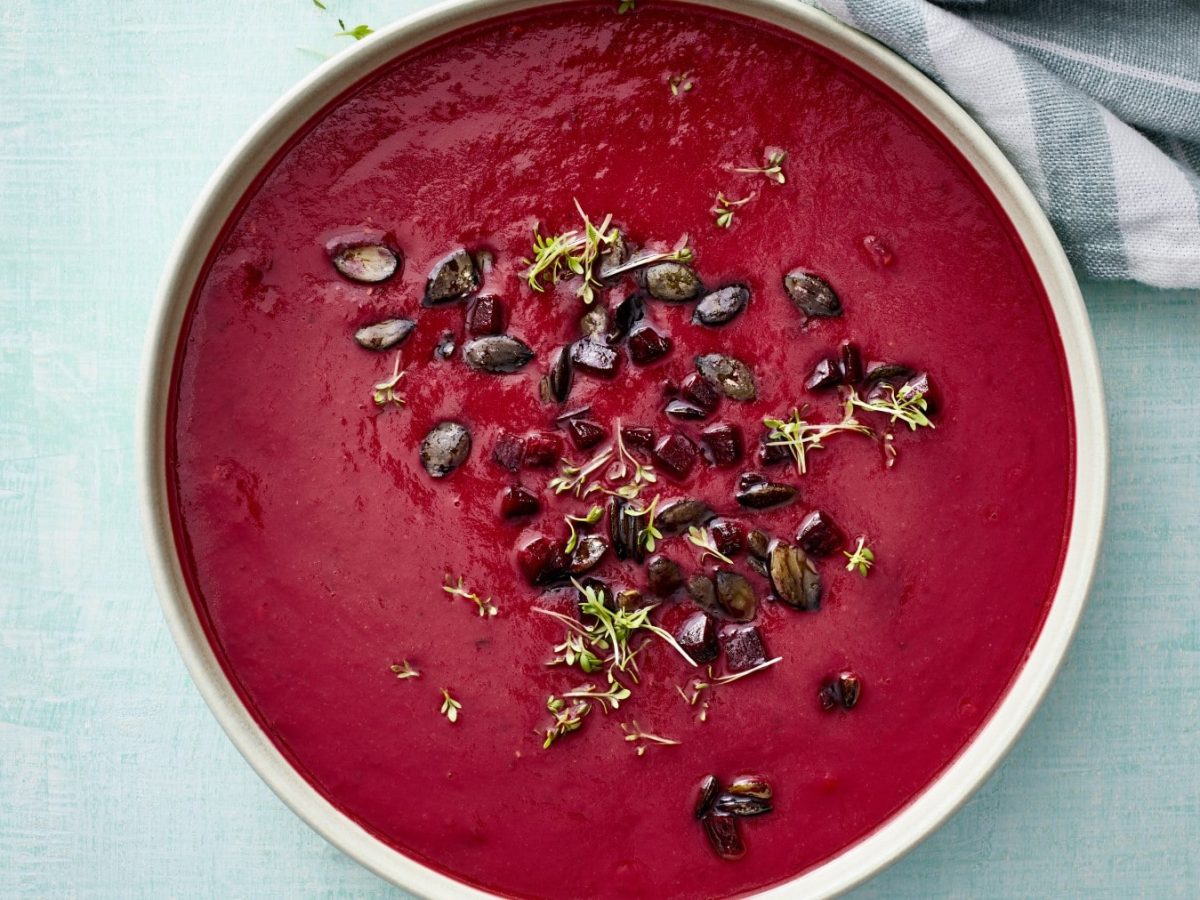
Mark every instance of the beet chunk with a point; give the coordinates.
(724, 441)
(850, 366)
(724, 836)
(518, 501)
(543, 561)
(728, 535)
(681, 409)
(486, 316)
(637, 437)
(699, 392)
(663, 575)
(646, 344)
(675, 453)
(697, 635)
(542, 450)
(743, 646)
(819, 535)
(825, 374)
(585, 433)
(509, 452)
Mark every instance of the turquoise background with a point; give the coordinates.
(114, 778)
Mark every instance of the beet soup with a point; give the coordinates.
(620, 454)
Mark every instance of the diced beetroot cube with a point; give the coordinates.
(646, 344)
(819, 535)
(518, 501)
(676, 454)
(700, 392)
(638, 437)
(724, 442)
(543, 561)
(879, 253)
(743, 648)
(697, 635)
(728, 535)
(585, 433)
(850, 366)
(509, 452)
(772, 454)
(594, 357)
(825, 374)
(682, 409)
(486, 316)
(542, 449)
(724, 836)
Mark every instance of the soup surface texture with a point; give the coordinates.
(317, 545)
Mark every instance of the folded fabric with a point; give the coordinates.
(1096, 102)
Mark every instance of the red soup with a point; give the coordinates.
(384, 438)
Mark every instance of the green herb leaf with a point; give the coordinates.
(486, 607)
(404, 671)
(358, 32)
(385, 392)
(450, 706)
(703, 539)
(772, 169)
(862, 558)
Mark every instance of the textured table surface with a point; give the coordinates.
(114, 778)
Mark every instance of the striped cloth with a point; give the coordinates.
(1096, 102)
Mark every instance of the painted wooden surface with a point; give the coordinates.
(114, 778)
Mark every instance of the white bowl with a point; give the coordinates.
(235, 175)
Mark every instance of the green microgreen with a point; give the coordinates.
(643, 474)
(862, 558)
(724, 208)
(404, 671)
(729, 679)
(904, 404)
(649, 535)
(773, 169)
(679, 253)
(574, 478)
(486, 607)
(625, 6)
(681, 83)
(318, 4)
(635, 735)
(385, 392)
(570, 252)
(801, 437)
(592, 517)
(703, 539)
(609, 698)
(358, 32)
(450, 706)
(568, 717)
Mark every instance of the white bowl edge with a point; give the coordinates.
(973, 765)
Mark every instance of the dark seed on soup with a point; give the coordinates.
(750, 786)
(811, 293)
(758, 543)
(697, 635)
(628, 599)
(743, 646)
(793, 578)
(556, 383)
(680, 514)
(759, 565)
(497, 353)
(703, 590)
(886, 371)
(682, 409)
(728, 536)
(585, 433)
(736, 596)
(445, 448)
(676, 454)
(724, 442)
(628, 313)
(699, 392)
(671, 281)
(825, 374)
(595, 322)
(485, 316)
(663, 575)
(616, 253)
(706, 795)
(518, 501)
(589, 550)
(721, 306)
(730, 376)
(843, 690)
(850, 363)
(646, 344)
(730, 804)
(367, 262)
(444, 349)
(758, 493)
(819, 535)
(625, 530)
(542, 450)
(454, 276)
(594, 357)
(384, 335)
(724, 836)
